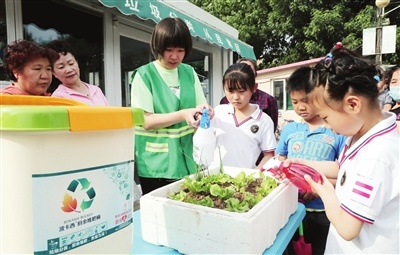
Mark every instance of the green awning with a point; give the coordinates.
(156, 11)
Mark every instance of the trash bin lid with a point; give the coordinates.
(37, 113)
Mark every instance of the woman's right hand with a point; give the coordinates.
(190, 117)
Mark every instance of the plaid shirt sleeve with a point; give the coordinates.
(272, 110)
(268, 105)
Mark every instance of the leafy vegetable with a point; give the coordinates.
(235, 194)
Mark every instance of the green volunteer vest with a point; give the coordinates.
(166, 152)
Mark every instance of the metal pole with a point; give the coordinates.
(378, 47)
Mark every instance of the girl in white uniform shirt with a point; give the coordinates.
(242, 129)
(363, 208)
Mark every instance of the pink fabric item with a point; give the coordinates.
(95, 97)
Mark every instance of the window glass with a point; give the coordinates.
(289, 105)
(44, 21)
(199, 61)
(134, 54)
(3, 38)
(279, 93)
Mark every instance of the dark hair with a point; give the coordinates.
(170, 32)
(390, 73)
(18, 53)
(239, 76)
(349, 72)
(61, 46)
(380, 71)
(252, 61)
(382, 74)
(307, 78)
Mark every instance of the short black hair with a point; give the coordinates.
(61, 46)
(252, 61)
(239, 76)
(170, 32)
(391, 71)
(307, 78)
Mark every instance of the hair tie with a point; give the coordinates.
(339, 45)
(376, 77)
(329, 55)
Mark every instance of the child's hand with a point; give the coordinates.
(286, 162)
(307, 196)
(277, 174)
(321, 189)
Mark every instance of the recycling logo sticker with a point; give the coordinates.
(79, 196)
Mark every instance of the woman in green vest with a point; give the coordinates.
(171, 96)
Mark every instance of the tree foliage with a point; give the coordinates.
(287, 31)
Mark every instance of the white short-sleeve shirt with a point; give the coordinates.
(368, 189)
(240, 144)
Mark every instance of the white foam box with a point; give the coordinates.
(195, 229)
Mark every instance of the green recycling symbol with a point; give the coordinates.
(70, 203)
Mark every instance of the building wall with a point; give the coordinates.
(266, 77)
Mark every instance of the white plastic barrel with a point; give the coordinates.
(66, 177)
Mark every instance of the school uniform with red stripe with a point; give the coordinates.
(368, 189)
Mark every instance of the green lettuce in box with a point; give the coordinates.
(190, 228)
(220, 190)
